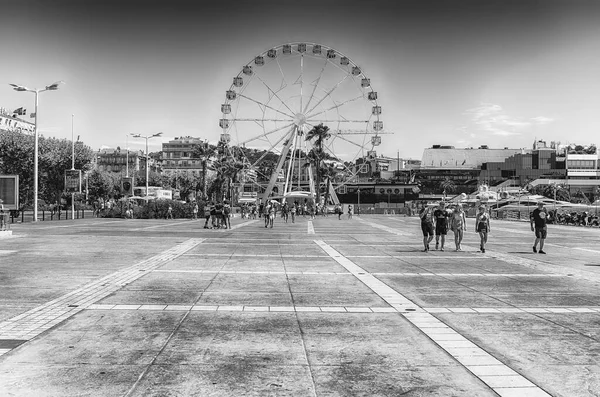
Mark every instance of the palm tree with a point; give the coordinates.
(204, 152)
(330, 172)
(319, 134)
(447, 185)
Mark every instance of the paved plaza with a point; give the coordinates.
(328, 307)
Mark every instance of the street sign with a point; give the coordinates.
(127, 186)
(9, 191)
(73, 181)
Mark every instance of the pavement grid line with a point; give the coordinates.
(39, 319)
(501, 378)
(347, 309)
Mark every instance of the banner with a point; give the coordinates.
(9, 191)
(73, 181)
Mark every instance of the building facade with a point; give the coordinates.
(176, 157)
(117, 160)
(10, 122)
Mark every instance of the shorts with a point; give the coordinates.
(441, 230)
(482, 227)
(427, 229)
(541, 232)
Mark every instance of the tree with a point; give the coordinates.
(54, 157)
(204, 152)
(447, 186)
(318, 134)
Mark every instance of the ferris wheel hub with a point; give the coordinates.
(300, 119)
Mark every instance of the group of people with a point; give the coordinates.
(217, 215)
(437, 221)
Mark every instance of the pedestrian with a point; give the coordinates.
(538, 218)
(219, 214)
(3, 222)
(350, 211)
(195, 211)
(426, 215)
(266, 210)
(285, 211)
(207, 214)
(226, 215)
(293, 213)
(482, 226)
(458, 225)
(338, 211)
(170, 212)
(440, 216)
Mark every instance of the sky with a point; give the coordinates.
(461, 73)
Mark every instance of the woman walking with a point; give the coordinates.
(482, 226)
(458, 225)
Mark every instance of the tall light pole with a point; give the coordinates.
(72, 164)
(146, 137)
(51, 87)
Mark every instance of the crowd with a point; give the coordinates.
(437, 221)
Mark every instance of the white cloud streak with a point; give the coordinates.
(491, 118)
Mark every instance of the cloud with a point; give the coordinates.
(542, 120)
(491, 118)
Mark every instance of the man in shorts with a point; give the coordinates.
(538, 218)
(426, 215)
(440, 216)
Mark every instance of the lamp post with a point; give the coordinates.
(72, 165)
(146, 138)
(358, 207)
(51, 87)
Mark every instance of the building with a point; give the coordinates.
(10, 122)
(372, 167)
(116, 160)
(460, 168)
(176, 157)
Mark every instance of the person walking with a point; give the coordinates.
(207, 210)
(293, 211)
(458, 225)
(195, 211)
(426, 215)
(482, 226)
(170, 212)
(538, 220)
(440, 216)
(226, 215)
(3, 222)
(350, 211)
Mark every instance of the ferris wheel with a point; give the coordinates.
(282, 94)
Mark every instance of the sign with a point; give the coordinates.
(9, 191)
(73, 181)
(127, 186)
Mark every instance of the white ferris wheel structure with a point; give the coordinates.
(283, 93)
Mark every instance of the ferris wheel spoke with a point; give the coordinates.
(262, 120)
(273, 147)
(329, 92)
(317, 81)
(301, 79)
(259, 103)
(276, 96)
(339, 105)
(283, 79)
(265, 134)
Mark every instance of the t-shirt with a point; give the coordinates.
(539, 217)
(441, 217)
(426, 217)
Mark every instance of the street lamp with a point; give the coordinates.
(358, 206)
(146, 138)
(51, 87)
(72, 165)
